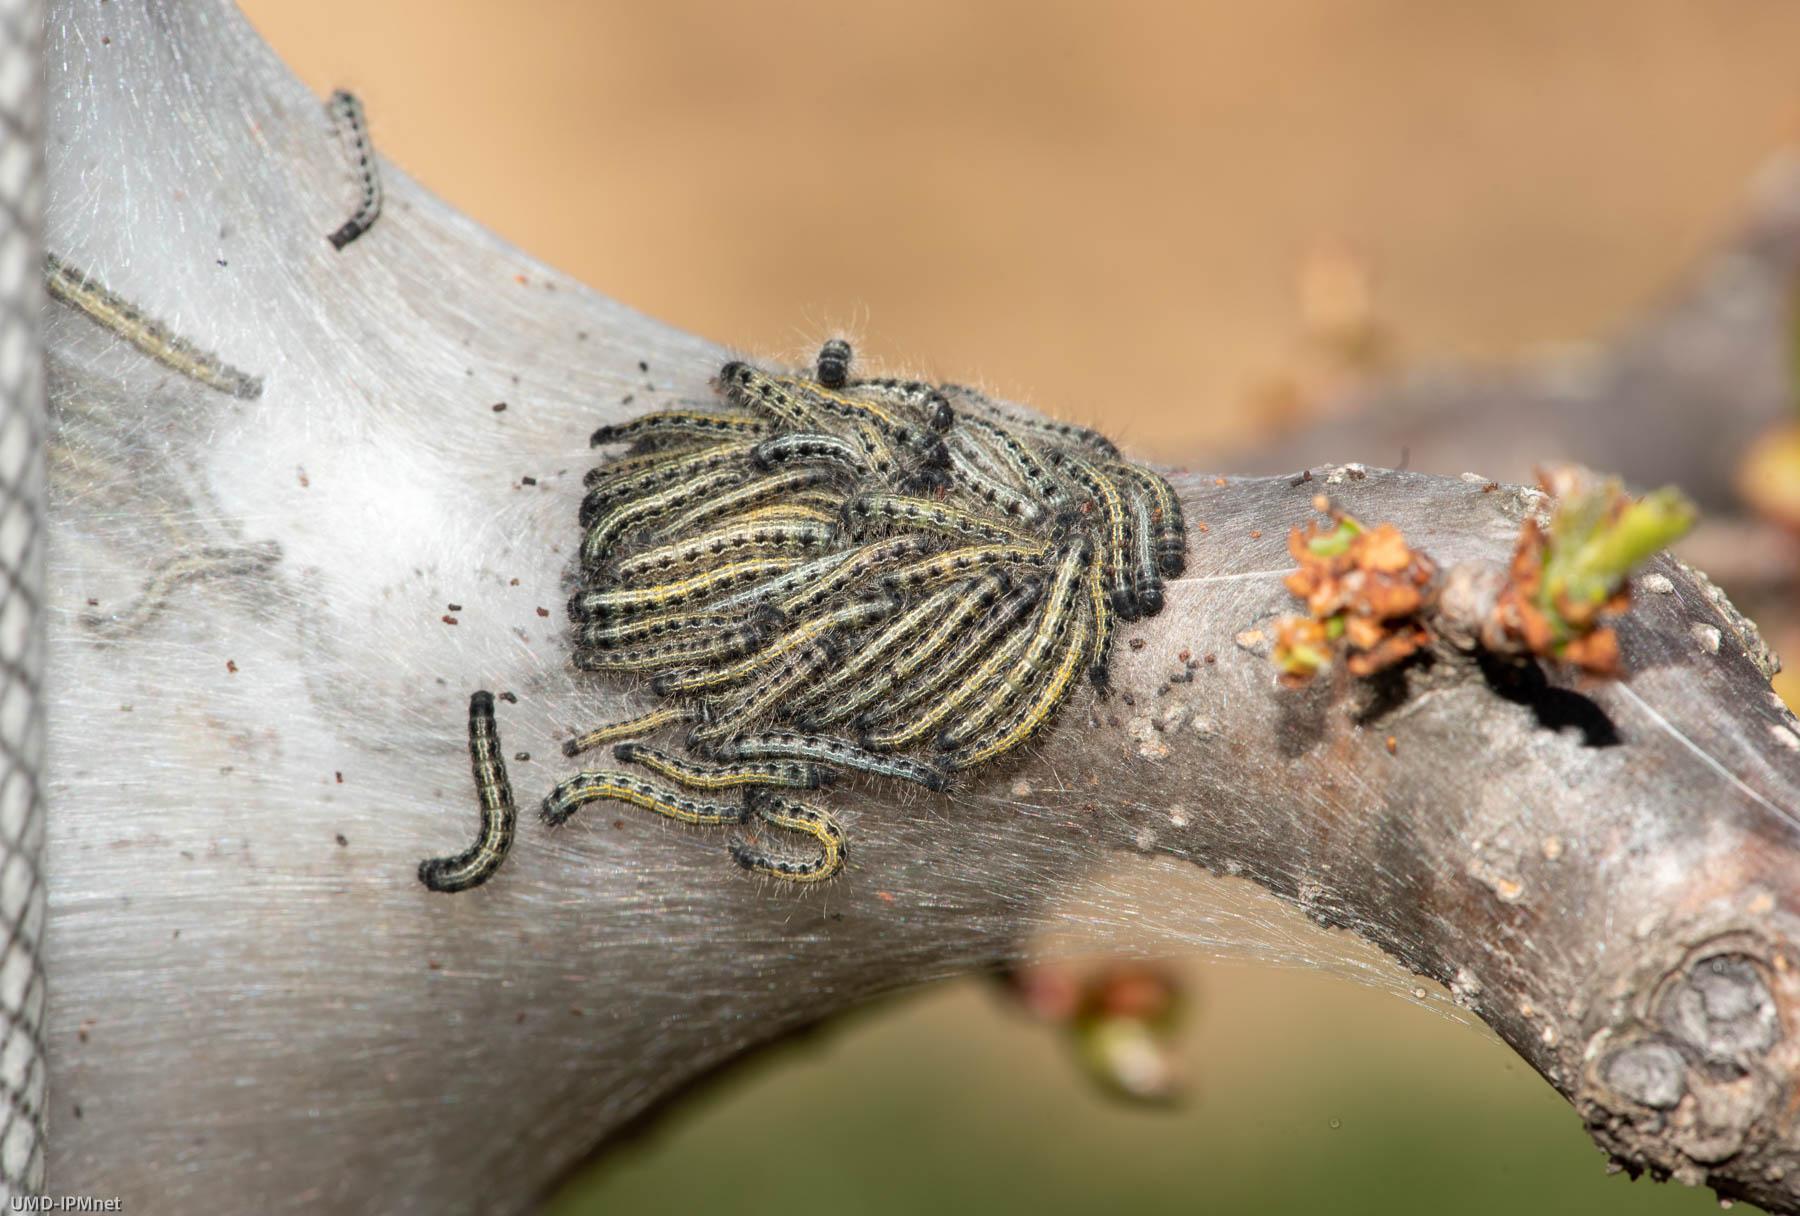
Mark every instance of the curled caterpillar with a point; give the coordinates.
(793, 816)
(478, 863)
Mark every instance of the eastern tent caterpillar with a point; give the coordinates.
(1116, 534)
(477, 863)
(1106, 623)
(1146, 571)
(755, 701)
(956, 563)
(207, 563)
(702, 775)
(1167, 521)
(662, 626)
(698, 648)
(665, 597)
(727, 543)
(596, 546)
(932, 712)
(822, 749)
(637, 476)
(863, 563)
(753, 493)
(805, 447)
(609, 785)
(833, 365)
(1026, 464)
(793, 816)
(109, 310)
(902, 512)
(643, 724)
(925, 401)
(347, 112)
(658, 428)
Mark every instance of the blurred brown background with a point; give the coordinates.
(1107, 210)
(1101, 207)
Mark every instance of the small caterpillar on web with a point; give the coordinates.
(478, 863)
(88, 295)
(821, 825)
(346, 112)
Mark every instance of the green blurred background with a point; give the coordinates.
(1309, 1094)
(1133, 214)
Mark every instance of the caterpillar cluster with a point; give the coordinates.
(876, 575)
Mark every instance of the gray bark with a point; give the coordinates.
(258, 1006)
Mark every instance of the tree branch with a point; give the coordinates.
(256, 1001)
(1675, 398)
